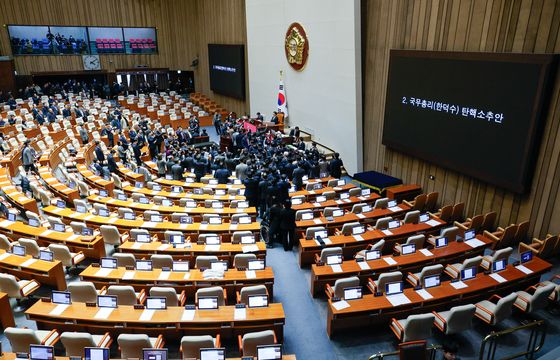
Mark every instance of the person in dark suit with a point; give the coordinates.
(99, 152)
(295, 133)
(274, 117)
(111, 163)
(108, 131)
(288, 226)
(137, 151)
(275, 218)
(260, 117)
(222, 174)
(177, 172)
(335, 166)
(297, 176)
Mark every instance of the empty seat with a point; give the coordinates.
(21, 338)
(216, 291)
(418, 203)
(534, 298)
(111, 235)
(495, 312)
(454, 270)
(337, 290)
(169, 293)
(63, 254)
(246, 291)
(125, 259)
(347, 228)
(417, 279)
(383, 223)
(131, 345)
(377, 246)
(160, 261)
(126, 295)
(455, 320)
(5, 243)
(77, 227)
(75, 342)
(412, 217)
(204, 261)
(31, 247)
(83, 291)
(191, 345)
(542, 248)
(250, 341)
(238, 235)
(417, 240)
(15, 288)
(326, 252)
(242, 260)
(381, 203)
(487, 260)
(310, 231)
(329, 210)
(414, 327)
(378, 286)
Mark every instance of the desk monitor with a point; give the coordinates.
(41, 352)
(220, 192)
(154, 354)
(143, 200)
(321, 198)
(215, 220)
(103, 212)
(344, 196)
(212, 240)
(182, 266)
(297, 201)
(357, 230)
(408, 249)
(341, 182)
(393, 224)
(334, 259)
(257, 301)
(423, 218)
(61, 297)
(258, 264)
(156, 303)
(469, 273)
(219, 265)
(197, 191)
(61, 204)
(156, 218)
(353, 293)
(103, 193)
(185, 220)
(269, 352)
(317, 186)
(213, 354)
(177, 239)
(95, 353)
(18, 250)
(144, 265)
(33, 222)
(143, 238)
(307, 216)
(122, 197)
(372, 255)
(526, 256)
(138, 184)
(166, 202)
(87, 231)
(394, 288)
(431, 281)
(470, 234)
(72, 185)
(236, 182)
(366, 192)
(241, 192)
(190, 204)
(46, 255)
(217, 205)
(499, 265)
(107, 301)
(12, 217)
(207, 302)
(366, 208)
(242, 204)
(244, 220)
(392, 203)
(81, 209)
(156, 187)
(108, 263)
(176, 189)
(441, 242)
(59, 227)
(337, 213)
(129, 216)
(248, 239)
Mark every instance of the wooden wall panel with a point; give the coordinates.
(185, 27)
(530, 26)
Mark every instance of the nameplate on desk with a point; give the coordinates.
(128, 275)
(363, 265)
(336, 268)
(188, 315)
(137, 245)
(339, 305)
(89, 217)
(424, 294)
(5, 223)
(103, 272)
(164, 275)
(338, 202)
(398, 299)
(250, 274)
(233, 226)
(240, 313)
(163, 247)
(426, 252)
(432, 222)
(389, 260)
(498, 278)
(387, 232)
(147, 315)
(103, 313)
(524, 269)
(358, 237)
(459, 285)
(317, 221)
(73, 237)
(203, 226)
(149, 224)
(212, 248)
(250, 248)
(57, 210)
(474, 243)
(59, 309)
(112, 220)
(326, 241)
(28, 262)
(360, 216)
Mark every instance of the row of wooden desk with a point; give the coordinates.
(49, 273)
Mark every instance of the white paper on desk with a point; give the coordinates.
(163, 247)
(137, 245)
(387, 232)
(103, 313)
(498, 277)
(147, 315)
(89, 217)
(6, 223)
(363, 198)
(202, 226)
(338, 202)
(474, 243)
(360, 216)
(112, 220)
(103, 272)
(164, 275)
(249, 248)
(46, 232)
(459, 285)
(128, 275)
(346, 200)
(426, 252)
(358, 237)
(317, 204)
(110, 201)
(73, 237)
(524, 269)
(339, 305)
(394, 209)
(336, 268)
(186, 276)
(183, 226)
(188, 315)
(398, 299)
(57, 210)
(432, 222)
(363, 265)
(28, 262)
(240, 314)
(317, 221)
(424, 294)
(311, 192)
(149, 224)
(233, 226)
(4, 255)
(251, 274)
(59, 309)
(389, 260)
(212, 248)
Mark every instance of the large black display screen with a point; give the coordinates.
(476, 113)
(227, 69)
